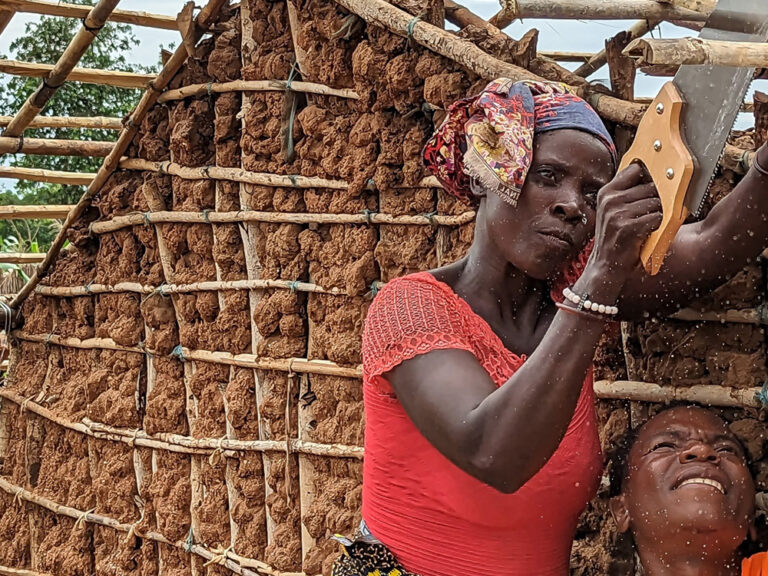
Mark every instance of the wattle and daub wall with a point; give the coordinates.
(166, 494)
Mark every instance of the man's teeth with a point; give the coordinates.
(706, 481)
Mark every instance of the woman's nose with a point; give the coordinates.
(568, 209)
(699, 451)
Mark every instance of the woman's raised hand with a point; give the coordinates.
(628, 210)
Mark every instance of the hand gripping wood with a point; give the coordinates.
(660, 147)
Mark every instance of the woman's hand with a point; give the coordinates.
(628, 210)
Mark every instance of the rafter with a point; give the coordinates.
(92, 23)
(77, 11)
(5, 19)
(90, 122)
(53, 147)
(87, 75)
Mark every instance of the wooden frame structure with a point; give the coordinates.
(624, 111)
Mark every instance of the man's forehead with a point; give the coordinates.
(683, 422)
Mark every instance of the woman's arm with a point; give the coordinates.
(503, 436)
(706, 254)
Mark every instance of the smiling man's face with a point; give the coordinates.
(687, 481)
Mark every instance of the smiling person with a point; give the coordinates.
(481, 445)
(686, 495)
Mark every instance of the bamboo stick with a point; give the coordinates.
(57, 75)
(33, 212)
(239, 175)
(710, 395)
(138, 219)
(299, 365)
(167, 289)
(79, 11)
(697, 51)
(5, 571)
(638, 29)
(255, 86)
(204, 18)
(80, 515)
(594, 10)
(748, 316)
(20, 258)
(41, 175)
(470, 56)
(116, 78)
(53, 147)
(92, 122)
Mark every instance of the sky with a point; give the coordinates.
(576, 36)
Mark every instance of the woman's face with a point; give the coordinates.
(546, 229)
(687, 479)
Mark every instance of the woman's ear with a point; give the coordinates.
(477, 189)
(620, 513)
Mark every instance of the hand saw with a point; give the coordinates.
(683, 133)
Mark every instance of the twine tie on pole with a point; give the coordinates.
(216, 455)
(368, 216)
(23, 407)
(209, 89)
(373, 289)
(219, 556)
(190, 541)
(178, 352)
(411, 24)
(147, 218)
(80, 522)
(206, 213)
(431, 217)
(762, 395)
(17, 499)
(293, 286)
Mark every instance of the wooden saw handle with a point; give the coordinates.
(659, 146)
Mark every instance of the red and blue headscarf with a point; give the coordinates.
(489, 137)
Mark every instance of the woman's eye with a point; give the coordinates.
(727, 449)
(663, 446)
(591, 196)
(546, 174)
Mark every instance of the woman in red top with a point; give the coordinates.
(481, 440)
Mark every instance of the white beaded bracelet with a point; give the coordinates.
(586, 304)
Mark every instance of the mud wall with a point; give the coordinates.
(270, 508)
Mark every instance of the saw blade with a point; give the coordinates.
(713, 94)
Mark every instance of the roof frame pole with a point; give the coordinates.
(5, 18)
(640, 28)
(92, 24)
(64, 10)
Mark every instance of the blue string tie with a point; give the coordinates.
(178, 352)
(762, 395)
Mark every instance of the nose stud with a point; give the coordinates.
(583, 218)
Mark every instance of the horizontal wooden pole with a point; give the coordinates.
(695, 51)
(20, 258)
(17, 212)
(42, 175)
(166, 217)
(299, 365)
(599, 60)
(79, 11)
(704, 6)
(708, 395)
(567, 56)
(86, 75)
(260, 178)
(6, 571)
(90, 122)
(597, 10)
(52, 147)
(255, 86)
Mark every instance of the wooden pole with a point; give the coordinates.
(92, 23)
(5, 19)
(239, 175)
(203, 20)
(86, 75)
(80, 12)
(593, 10)
(20, 258)
(709, 395)
(704, 6)
(696, 51)
(17, 212)
(5, 571)
(640, 28)
(41, 175)
(255, 86)
(471, 57)
(90, 122)
(165, 217)
(52, 147)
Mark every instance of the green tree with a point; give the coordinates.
(43, 42)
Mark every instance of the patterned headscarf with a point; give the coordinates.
(489, 137)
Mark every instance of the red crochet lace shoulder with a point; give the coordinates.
(417, 314)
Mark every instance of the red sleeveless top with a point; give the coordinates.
(435, 518)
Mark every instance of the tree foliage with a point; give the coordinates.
(43, 42)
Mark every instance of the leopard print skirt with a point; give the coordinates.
(366, 557)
